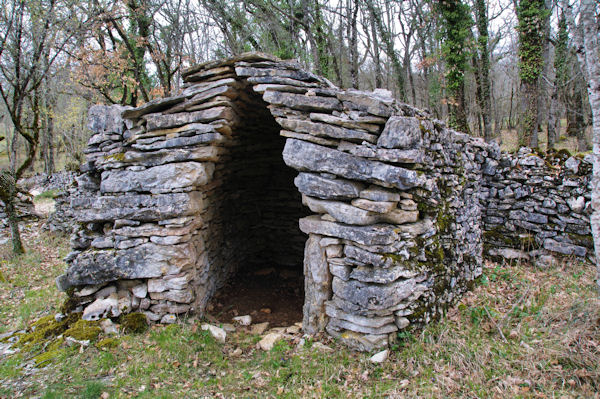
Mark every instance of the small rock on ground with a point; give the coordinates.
(259, 328)
(218, 333)
(245, 320)
(269, 341)
(380, 357)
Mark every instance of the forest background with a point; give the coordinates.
(500, 69)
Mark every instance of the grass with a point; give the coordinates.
(50, 194)
(510, 140)
(522, 332)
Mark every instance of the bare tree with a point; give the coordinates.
(586, 39)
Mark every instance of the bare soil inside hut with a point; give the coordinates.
(269, 294)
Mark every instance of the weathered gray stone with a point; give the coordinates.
(341, 271)
(324, 188)
(367, 235)
(163, 121)
(324, 130)
(375, 193)
(347, 325)
(370, 296)
(317, 286)
(139, 207)
(380, 275)
(344, 122)
(146, 261)
(341, 211)
(564, 248)
(302, 102)
(403, 132)
(374, 206)
(378, 104)
(180, 296)
(372, 322)
(101, 308)
(158, 179)
(205, 138)
(577, 204)
(369, 258)
(311, 157)
(106, 119)
(358, 341)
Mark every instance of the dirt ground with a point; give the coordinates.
(269, 294)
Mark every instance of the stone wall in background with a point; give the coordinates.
(379, 202)
(536, 205)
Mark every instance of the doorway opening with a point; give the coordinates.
(256, 248)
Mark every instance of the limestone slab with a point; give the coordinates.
(306, 156)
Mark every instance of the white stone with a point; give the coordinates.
(259, 328)
(292, 330)
(380, 357)
(101, 308)
(269, 341)
(168, 319)
(245, 320)
(106, 291)
(576, 204)
(88, 290)
(217, 333)
(140, 291)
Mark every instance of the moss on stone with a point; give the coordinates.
(117, 157)
(44, 321)
(581, 239)
(134, 323)
(69, 305)
(107, 343)
(84, 330)
(44, 330)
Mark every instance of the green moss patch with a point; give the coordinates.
(84, 330)
(107, 343)
(134, 323)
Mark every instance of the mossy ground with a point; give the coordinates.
(550, 320)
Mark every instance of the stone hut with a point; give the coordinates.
(260, 162)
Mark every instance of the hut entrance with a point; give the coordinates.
(254, 234)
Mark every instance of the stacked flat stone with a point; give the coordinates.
(535, 204)
(182, 192)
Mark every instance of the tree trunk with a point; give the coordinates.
(532, 16)
(49, 143)
(571, 111)
(352, 14)
(458, 114)
(8, 193)
(14, 146)
(579, 122)
(484, 68)
(527, 128)
(552, 126)
(376, 60)
(587, 45)
(388, 42)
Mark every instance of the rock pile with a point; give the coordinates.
(535, 204)
(180, 193)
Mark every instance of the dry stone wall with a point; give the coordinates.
(536, 205)
(259, 161)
